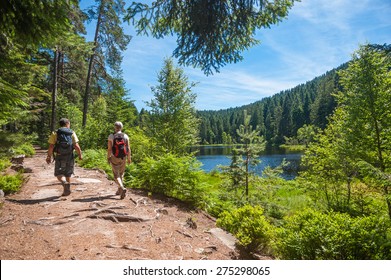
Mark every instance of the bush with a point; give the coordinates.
(314, 235)
(15, 144)
(249, 226)
(11, 183)
(26, 149)
(173, 176)
(96, 159)
(4, 164)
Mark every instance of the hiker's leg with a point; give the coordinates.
(64, 168)
(59, 169)
(61, 179)
(121, 177)
(122, 172)
(68, 173)
(117, 166)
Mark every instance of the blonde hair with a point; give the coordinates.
(118, 126)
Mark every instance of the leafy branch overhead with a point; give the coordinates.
(210, 34)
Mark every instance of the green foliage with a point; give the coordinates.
(210, 33)
(15, 144)
(357, 135)
(141, 146)
(4, 164)
(312, 235)
(172, 123)
(11, 183)
(280, 198)
(249, 225)
(26, 149)
(97, 130)
(173, 176)
(36, 23)
(9, 98)
(245, 157)
(96, 159)
(216, 200)
(106, 57)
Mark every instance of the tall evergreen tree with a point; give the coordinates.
(173, 122)
(109, 42)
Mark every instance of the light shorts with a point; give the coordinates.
(118, 166)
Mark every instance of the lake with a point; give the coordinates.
(212, 156)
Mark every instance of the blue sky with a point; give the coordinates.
(317, 36)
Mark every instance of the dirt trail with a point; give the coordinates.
(94, 224)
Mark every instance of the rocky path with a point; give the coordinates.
(94, 224)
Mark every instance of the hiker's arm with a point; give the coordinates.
(78, 150)
(50, 153)
(109, 147)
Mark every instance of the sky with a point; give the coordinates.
(317, 36)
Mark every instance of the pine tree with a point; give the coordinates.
(172, 121)
(109, 42)
(246, 156)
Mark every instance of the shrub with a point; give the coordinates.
(173, 176)
(4, 164)
(249, 226)
(16, 144)
(11, 183)
(26, 149)
(96, 159)
(314, 235)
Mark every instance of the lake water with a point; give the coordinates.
(213, 156)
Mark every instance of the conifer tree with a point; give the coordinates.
(172, 121)
(246, 156)
(109, 42)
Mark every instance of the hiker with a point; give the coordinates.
(61, 146)
(118, 153)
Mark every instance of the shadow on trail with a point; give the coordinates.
(35, 201)
(96, 198)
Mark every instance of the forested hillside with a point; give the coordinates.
(339, 207)
(277, 116)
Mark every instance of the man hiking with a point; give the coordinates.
(61, 146)
(118, 153)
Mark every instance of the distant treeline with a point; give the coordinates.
(277, 116)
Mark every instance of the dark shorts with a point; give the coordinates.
(64, 165)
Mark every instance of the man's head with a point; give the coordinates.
(118, 126)
(64, 122)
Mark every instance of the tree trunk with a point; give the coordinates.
(388, 200)
(90, 66)
(54, 91)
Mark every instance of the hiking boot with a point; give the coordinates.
(123, 193)
(67, 189)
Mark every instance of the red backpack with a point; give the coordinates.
(120, 148)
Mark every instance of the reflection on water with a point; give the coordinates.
(213, 156)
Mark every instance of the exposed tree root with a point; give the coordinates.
(127, 247)
(6, 220)
(120, 217)
(184, 233)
